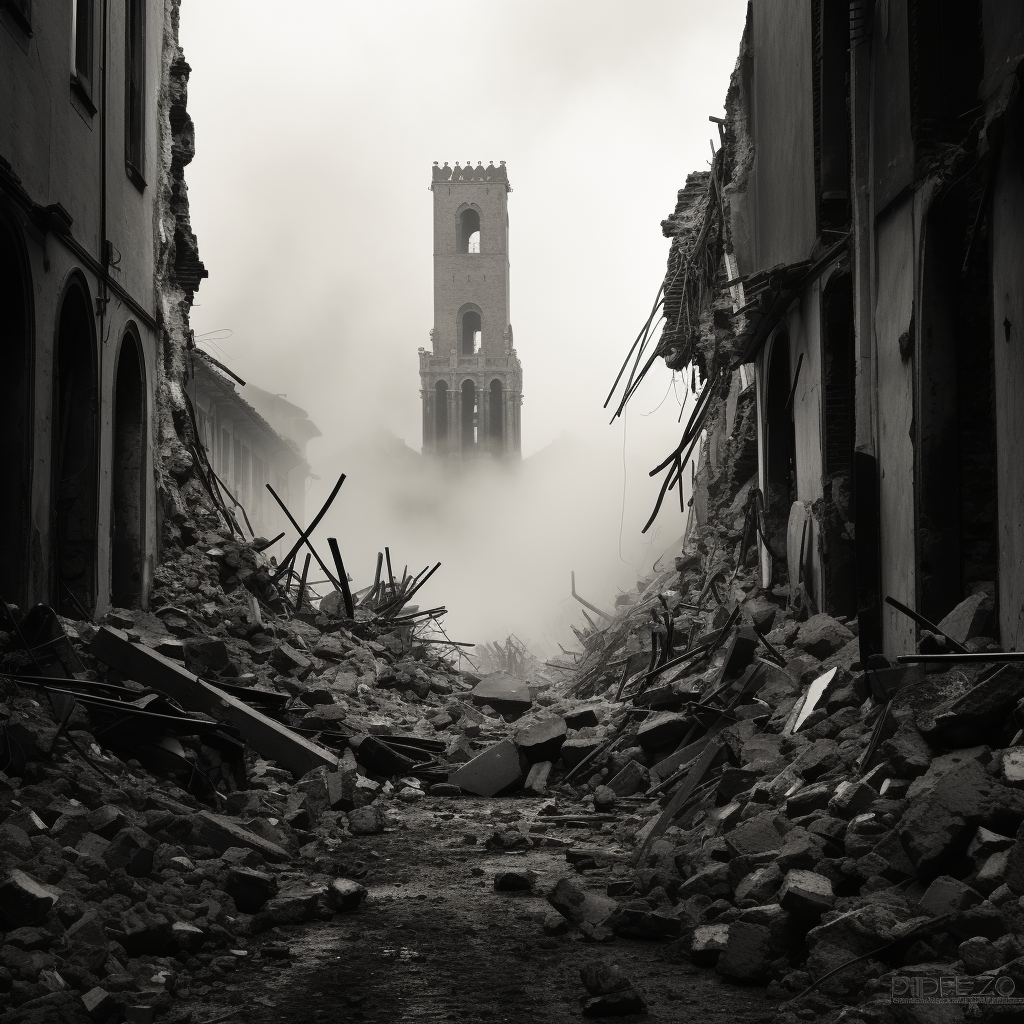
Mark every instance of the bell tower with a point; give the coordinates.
(471, 380)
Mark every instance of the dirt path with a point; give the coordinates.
(435, 942)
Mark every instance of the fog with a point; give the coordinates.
(315, 133)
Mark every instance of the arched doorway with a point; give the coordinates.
(441, 416)
(127, 497)
(76, 405)
(15, 417)
(468, 415)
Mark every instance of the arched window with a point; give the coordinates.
(441, 415)
(128, 495)
(15, 418)
(472, 336)
(497, 415)
(74, 466)
(469, 230)
(469, 432)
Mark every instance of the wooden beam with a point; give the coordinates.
(268, 738)
(680, 797)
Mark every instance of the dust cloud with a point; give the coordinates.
(508, 534)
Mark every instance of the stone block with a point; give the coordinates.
(572, 900)
(708, 943)
(712, 881)
(663, 728)
(98, 1003)
(970, 718)
(514, 881)
(756, 835)
(747, 954)
(806, 894)
(491, 772)
(220, 833)
(1012, 766)
(636, 920)
(186, 937)
(286, 659)
(851, 798)
(133, 850)
(366, 821)
(344, 895)
(15, 841)
(504, 693)
(581, 718)
(971, 617)
(810, 798)
(576, 748)
(629, 780)
(24, 901)
(143, 932)
(821, 636)
(250, 889)
(947, 895)
(759, 885)
(541, 741)
(296, 904)
(908, 752)
(537, 780)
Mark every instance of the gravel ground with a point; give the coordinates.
(435, 942)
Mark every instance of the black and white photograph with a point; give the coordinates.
(364, 659)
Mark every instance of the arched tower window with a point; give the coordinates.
(469, 231)
(497, 417)
(468, 415)
(441, 415)
(128, 487)
(472, 336)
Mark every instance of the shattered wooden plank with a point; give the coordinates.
(680, 797)
(267, 737)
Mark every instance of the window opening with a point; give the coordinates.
(82, 27)
(135, 90)
(497, 418)
(469, 231)
(441, 415)
(472, 336)
(128, 489)
(469, 425)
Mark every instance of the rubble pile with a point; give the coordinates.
(794, 813)
(177, 786)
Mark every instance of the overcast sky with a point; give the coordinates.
(316, 125)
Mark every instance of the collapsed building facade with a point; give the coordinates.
(108, 457)
(846, 279)
(99, 266)
(471, 379)
(253, 438)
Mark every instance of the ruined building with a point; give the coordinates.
(98, 265)
(104, 473)
(471, 379)
(253, 438)
(847, 279)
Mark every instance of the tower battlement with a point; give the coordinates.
(471, 379)
(469, 173)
